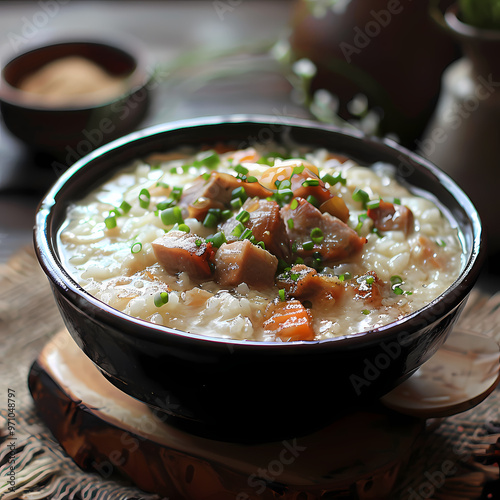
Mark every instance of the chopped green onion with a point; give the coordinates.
(171, 215)
(243, 216)
(144, 198)
(155, 166)
(241, 169)
(299, 260)
(282, 265)
(269, 159)
(290, 223)
(397, 201)
(365, 311)
(162, 184)
(294, 204)
(285, 184)
(396, 280)
(294, 276)
(240, 193)
(247, 234)
(361, 196)
(114, 212)
(361, 219)
(310, 182)
(176, 193)
(261, 244)
(312, 200)
(136, 247)
(238, 230)
(345, 276)
(298, 170)
(369, 280)
(211, 220)
(373, 204)
(110, 221)
(266, 160)
(206, 176)
(236, 203)
(251, 179)
(125, 207)
(184, 227)
(308, 245)
(217, 239)
(281, 293)
(198, 242)
(226, 214)
(317, 235)
(441, 243)
(328, 178)
(294, 247)
(332, 180)
(160, 298)
(377, 232)
(162, 205)
(209, 159)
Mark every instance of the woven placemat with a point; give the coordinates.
(457, 458)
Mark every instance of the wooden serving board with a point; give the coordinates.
(104, 430)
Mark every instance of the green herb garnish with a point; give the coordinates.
(160, 298)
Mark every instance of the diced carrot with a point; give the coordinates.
(289, 320)
(245, 155)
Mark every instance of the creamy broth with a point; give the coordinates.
(295, 245)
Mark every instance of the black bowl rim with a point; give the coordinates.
(60, 277)
(139, 78)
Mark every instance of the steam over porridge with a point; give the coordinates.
(260, 244)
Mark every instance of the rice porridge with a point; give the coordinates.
(260, 244)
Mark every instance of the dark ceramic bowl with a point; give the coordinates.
(241, 389)
(70, 131)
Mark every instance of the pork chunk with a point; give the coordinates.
(244, 262)
(390, 217)
(304, 283)
(178, 252)
(216, 191)
(266, 225)
(340, 242)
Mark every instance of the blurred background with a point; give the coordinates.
(392, 68)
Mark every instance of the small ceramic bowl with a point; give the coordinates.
(233, 389)
(71, 128)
